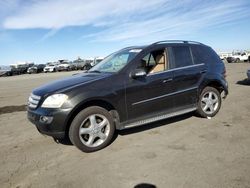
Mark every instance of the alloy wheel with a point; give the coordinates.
(94, 130)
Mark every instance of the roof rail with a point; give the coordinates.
(176, 41)
(129, 47)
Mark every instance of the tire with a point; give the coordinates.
(90, 140)
(237, 60)
(209, 102)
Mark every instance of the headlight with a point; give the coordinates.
(54, 101)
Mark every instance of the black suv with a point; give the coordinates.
(134, 86)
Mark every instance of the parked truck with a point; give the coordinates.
(241, 56)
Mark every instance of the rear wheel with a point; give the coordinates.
(209, 102)
(92, 129)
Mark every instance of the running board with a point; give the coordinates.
(161, 117)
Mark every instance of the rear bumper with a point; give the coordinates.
(56, 127)
(224, 87)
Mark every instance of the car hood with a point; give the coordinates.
(67, 83)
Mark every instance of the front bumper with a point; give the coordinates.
(48, 70)
(32, 71)
(55, 127)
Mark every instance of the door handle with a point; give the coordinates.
(203, 71)
(167, 80)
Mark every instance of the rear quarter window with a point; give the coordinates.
(204, 54)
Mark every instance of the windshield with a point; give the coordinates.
(116, 61)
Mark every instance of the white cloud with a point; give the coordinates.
(176, 23)
(126, 20)
(62, 13)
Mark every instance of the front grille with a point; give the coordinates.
(33, 101)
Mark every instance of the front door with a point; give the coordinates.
(150, 95)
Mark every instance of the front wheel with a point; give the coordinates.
(92, 129)
(209, 102)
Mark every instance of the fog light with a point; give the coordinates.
(46, 119)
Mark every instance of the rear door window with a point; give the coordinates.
(181, 56)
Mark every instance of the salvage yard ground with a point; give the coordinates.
(186, 151)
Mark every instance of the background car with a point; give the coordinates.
(50, 67)
(79, 64)
(65, 65)
(36, 69)
(5, 71)
(88, 63)
(96, 61)
(231, 59)
(20, 68)
(240, 56)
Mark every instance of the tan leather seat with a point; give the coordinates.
(160, 66)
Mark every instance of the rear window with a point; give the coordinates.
(181, 56)
(204, 54)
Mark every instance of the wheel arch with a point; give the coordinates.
(95, 102)
(216, 84)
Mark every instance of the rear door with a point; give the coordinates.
(186, 76)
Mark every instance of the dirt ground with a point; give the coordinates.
(186, 151)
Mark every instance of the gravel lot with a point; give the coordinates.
(186, 151)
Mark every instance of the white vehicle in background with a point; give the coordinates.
(50, 67)
(240, 56)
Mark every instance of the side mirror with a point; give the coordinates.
(138, 73)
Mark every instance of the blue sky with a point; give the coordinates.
(48, 30)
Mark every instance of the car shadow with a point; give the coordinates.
(155, 124)
(66, 141)
(245, 82)
(145, 185)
